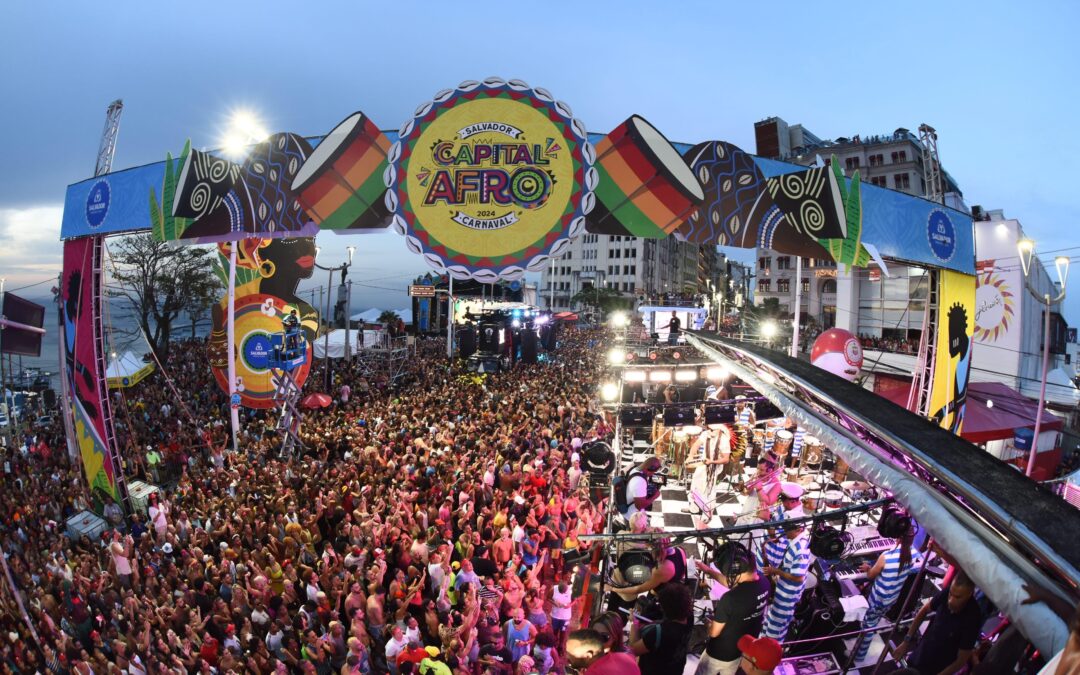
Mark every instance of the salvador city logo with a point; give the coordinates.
(490, 176)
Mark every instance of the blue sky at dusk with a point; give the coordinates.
(997, 80)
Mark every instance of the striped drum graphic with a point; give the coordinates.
(341, 186)
(646, 188)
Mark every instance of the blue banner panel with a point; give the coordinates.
(904, 227)
(115, 202)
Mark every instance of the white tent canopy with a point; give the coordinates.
(1059, 389)
(127, 369)
(336, 340)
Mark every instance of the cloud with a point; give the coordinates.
(30, 248)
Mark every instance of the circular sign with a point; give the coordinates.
(256, 350)
(258, 317)
(941, 235)
(97, 203)
(993, 307)
(488, 180)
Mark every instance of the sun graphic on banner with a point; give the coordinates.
(994, 307)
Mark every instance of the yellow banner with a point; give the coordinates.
(952, 360)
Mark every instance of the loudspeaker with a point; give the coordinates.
(677, 416)
(549, 336)
(488, 340)
(467, 341)
(636, 416)
(528, 346)
(50, 398)
(764, 409)
(720, 413)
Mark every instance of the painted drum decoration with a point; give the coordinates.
(203, 183)
(645, 187)
(489, 179)
(258, 316)
(341, 185)
(261, 203)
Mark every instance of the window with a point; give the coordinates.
(763, 285)
(879, 180)
(625, 286)
(805, 286)
(764, 263)
(783, 262)
(631, 286)
(901, 181)
(899, 157)
(852, 162)
(877, 160)
(633, 269)
(828, 286)
(783, 285)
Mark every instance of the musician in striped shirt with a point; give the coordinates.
(790, 578)
(888, 573)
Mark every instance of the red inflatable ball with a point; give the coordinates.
(839, 352)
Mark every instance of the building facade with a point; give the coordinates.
(639, 268)
(881, 307)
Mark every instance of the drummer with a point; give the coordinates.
(744, 411)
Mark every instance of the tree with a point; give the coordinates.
(388, 317)
(160, 281)
(605, 299)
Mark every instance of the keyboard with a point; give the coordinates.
(873, 546)
(848, 570)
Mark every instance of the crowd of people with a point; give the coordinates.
(895, 345)
(425, 529)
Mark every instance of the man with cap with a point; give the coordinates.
(760, 656)
(789, 576)
(789, 506)
(432, 665)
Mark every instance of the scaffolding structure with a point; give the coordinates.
(385, 362)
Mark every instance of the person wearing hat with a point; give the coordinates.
(744, 411)
(760, 656)
(432, 663)
(789, 506)
(789, 576)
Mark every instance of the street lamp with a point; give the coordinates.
(768, 331)
(1026, 249)
(344, 269)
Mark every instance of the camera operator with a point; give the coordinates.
(599, 461)
(740, 611)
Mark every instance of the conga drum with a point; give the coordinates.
(782, 444)
(341, 186)
(812, 452)
(840, 471)
(645, 187)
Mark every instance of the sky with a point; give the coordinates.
(996, 79)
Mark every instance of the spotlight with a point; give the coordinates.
(609, 391)
(676, 355)
(619, 320)
(616, 355)
(768, 330)
(634, 376)
(716, 373)
(685, 375)
(516, 323)
(541, 320)
(653, 356)
(630, 356)
(660, 376)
